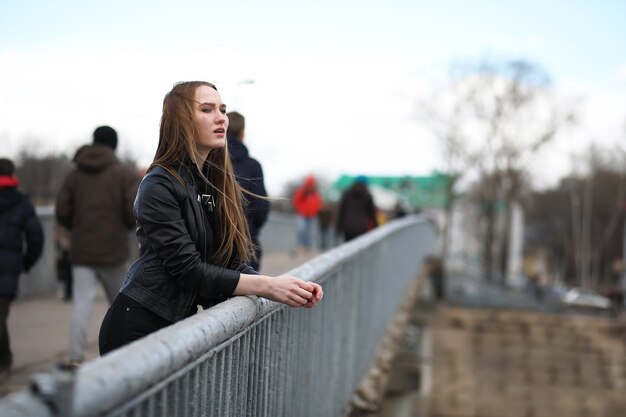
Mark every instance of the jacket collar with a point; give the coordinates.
(8, 181)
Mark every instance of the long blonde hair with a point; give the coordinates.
(176, 145)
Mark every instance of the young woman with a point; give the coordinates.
(193, 237)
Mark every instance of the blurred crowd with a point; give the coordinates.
(323, 223)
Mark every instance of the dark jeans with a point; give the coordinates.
(6, 356)
(126, 321)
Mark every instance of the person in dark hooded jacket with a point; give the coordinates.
(249, 175)
(357, 212)
(19, 225)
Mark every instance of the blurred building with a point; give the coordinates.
(415, 192)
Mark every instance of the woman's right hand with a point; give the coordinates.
(285, 289)
(294, 291)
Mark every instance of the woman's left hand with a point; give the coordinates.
(318, 293)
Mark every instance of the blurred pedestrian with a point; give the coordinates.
(62, 240)
(437, 277)
(615, 291)
(191, 226)
(399, 211)
(249, 174)
(326, 221)
(307, 202)
(534, 285)
(21, 243)
(357, 212)
(95, 204)
(381, 216)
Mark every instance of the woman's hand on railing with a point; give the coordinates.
(318, 293)
(285, 289)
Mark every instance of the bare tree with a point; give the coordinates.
(603, 191)
(492, 119)
(41, 176)
(580, 223)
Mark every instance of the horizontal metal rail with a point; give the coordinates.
(249, 356)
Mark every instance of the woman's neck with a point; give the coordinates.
(200, 158)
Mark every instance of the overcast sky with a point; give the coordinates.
(335, 82)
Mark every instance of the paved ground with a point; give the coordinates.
(495, 362)
(39, 328)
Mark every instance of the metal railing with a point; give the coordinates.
(249, 356)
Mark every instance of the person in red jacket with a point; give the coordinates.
(307, 202)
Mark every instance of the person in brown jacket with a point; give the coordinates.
(95, 204)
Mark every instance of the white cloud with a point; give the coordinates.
(620, 74)
(308, 113)
(601, 121)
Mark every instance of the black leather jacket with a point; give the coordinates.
(176, 242)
